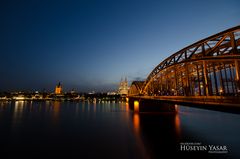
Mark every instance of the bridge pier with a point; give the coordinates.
(149, 105)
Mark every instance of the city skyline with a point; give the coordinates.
(91, 45)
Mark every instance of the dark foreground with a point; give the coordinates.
(110, 130)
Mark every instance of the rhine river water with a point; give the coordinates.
(54, 129)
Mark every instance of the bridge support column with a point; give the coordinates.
(150, 105)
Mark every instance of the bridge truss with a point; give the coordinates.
(209, 67)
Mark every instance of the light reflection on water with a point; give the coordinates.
(177, 125)
(18, 110)
(56, 110)
(110, 130)
(136, 122)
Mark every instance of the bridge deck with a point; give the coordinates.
(222, 103)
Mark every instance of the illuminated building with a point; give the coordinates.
(58, 89)
(123, 87)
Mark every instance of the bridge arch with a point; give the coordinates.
(135, 87)
(209, 67)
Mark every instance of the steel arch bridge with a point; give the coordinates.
(136, 87)
(209, 67)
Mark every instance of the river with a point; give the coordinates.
(53, 129)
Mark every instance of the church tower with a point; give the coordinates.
(58, 89)
(123, 87)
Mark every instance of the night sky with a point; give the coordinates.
(90, 45)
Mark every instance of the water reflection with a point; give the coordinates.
(56, 110)
(77, 109)
(127, 107)
(159, 133)
(109, 129)
(136, 123)
(83, 107)
(138, 134)
(177, 121)
(95, 107)
(18, 111)
(177, 125)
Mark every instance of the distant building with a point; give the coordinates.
(111, 93)
(123, 87)
(58, 89)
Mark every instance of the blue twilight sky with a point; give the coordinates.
(91, 44)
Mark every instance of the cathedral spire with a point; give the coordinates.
(123, 87)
